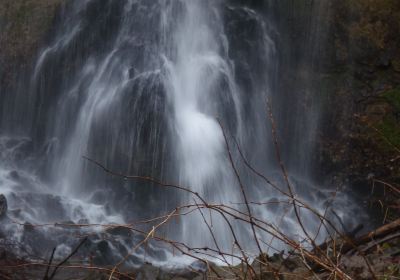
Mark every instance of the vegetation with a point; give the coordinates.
(24, 25)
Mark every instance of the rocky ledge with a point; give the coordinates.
(375, 255)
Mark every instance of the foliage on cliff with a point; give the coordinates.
(361, 139)
(24, 25)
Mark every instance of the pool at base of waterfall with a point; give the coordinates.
(39, 220)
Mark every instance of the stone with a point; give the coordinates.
(148, 272)
(298, 273)
(293, 263)
(66, 224)
(28, 227)
(103, 247)
(198, 266)
(356, 265)
(83, 222)
(119, 230)
(14, 175)
(132, 73)
(16, 213)
(3, 206)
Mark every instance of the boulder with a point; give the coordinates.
(119, 230)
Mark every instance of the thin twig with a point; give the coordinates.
(67, 258)
(46, 275)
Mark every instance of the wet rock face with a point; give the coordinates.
(361, 131)
(25, 24)
(3, 206)
(382, 264)
(150, 272)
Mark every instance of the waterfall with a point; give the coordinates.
(149, 88)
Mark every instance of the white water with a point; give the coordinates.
(200, 146)
(167, 74)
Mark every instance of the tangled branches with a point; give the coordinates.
(319, 260)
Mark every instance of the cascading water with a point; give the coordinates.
(191, 79)
(142, 87)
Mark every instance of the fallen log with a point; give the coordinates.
(353, 243)
(381, 241)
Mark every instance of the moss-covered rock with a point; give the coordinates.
(393, 97)
(360, 140)
(24, 25)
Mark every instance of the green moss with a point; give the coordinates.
(390, 131)
(393, 98)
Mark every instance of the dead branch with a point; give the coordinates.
(67, 258)
(373, 235)
(46, 276)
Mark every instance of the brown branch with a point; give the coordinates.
(241, 187)
(371, 236)
(67, 258)
(146, 178)
(380, 241)
(46, 275)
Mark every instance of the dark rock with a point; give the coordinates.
(37, 240)
(132, 73)
(157, 253)
(14, 175)
(293, 263)
(83, 222)
(300, 273)
(99, 197)
(28, 227)
(3, 235)
(357, 266)
(119, 230)
(3, 206)
(148, 272)
(276, 258)
(15, 212)
(66, 224)
(198, 266)
(105, 254)
(103, 247)
(186, 273)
